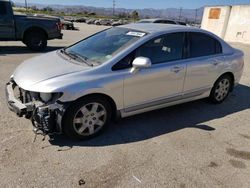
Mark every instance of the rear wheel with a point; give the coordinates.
(36, 40)
(87, 118)
(221, 89)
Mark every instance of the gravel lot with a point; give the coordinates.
(191, 145)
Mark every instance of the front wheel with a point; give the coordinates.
(221, 89)
(87, 118)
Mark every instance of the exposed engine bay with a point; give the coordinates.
(43, 110)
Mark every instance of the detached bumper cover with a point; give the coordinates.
(14, 104)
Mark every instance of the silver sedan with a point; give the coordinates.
(119, 72)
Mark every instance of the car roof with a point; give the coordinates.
(155, 19)
(157, 28)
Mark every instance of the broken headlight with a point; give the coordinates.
(48, 97)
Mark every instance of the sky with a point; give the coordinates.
(136, 4)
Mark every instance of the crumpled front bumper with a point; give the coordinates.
(46, 118)
(14, 104)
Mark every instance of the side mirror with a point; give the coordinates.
(140, 63)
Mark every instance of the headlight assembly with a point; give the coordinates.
(47, 97)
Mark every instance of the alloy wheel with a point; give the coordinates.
(222, 89)
(90, 119)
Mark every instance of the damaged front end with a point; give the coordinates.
(45, 115)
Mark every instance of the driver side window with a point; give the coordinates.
(163, 49)
(159, 50)
(125, 63)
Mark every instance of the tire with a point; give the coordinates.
(221, 89)
(36, 40)
(83, 120)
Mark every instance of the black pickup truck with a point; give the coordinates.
(34, 31)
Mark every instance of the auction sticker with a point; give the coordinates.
(136, 34)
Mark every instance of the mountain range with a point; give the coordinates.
(171, 13)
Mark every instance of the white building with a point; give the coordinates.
(231, 23)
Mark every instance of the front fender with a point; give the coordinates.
(114, 91)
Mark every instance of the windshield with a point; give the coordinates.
(102, 46)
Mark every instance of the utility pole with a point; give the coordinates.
(114, 7)
(180, 13)
(26, 5)
(196, 14)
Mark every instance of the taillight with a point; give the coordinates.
(59, 26)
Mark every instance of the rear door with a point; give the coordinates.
(204, 62)
(7, 28)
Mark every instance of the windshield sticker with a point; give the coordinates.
(136, 34)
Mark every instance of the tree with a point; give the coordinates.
(33, 8)
(48, 9)
(123, 15)
(135, 15)
(91, 13)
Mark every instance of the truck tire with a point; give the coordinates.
(36, 40)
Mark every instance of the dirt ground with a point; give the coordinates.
(190, 145)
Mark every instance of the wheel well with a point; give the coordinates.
(34, 29)
(231, 75)
(103, 96)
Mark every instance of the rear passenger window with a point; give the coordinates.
(3, 10)
(203, 45)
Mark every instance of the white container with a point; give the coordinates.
(238, 29)
(215, 19)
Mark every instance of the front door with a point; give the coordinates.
(7, 29)
(163, 81)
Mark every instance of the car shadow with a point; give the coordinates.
(192, 115)
(7, 50)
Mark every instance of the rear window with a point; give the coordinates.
(203, 45)
(3, 9)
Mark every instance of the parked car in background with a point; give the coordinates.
(182, 23)
(67, 25)
(34, 31)
(106, 22)
(119, 72)
(90, 21)
(97, 22)
(69, 18)
(163, 21)
(80, 20)
(119, 22)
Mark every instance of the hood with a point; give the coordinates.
(44, 67)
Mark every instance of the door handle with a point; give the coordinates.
(176, 69)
